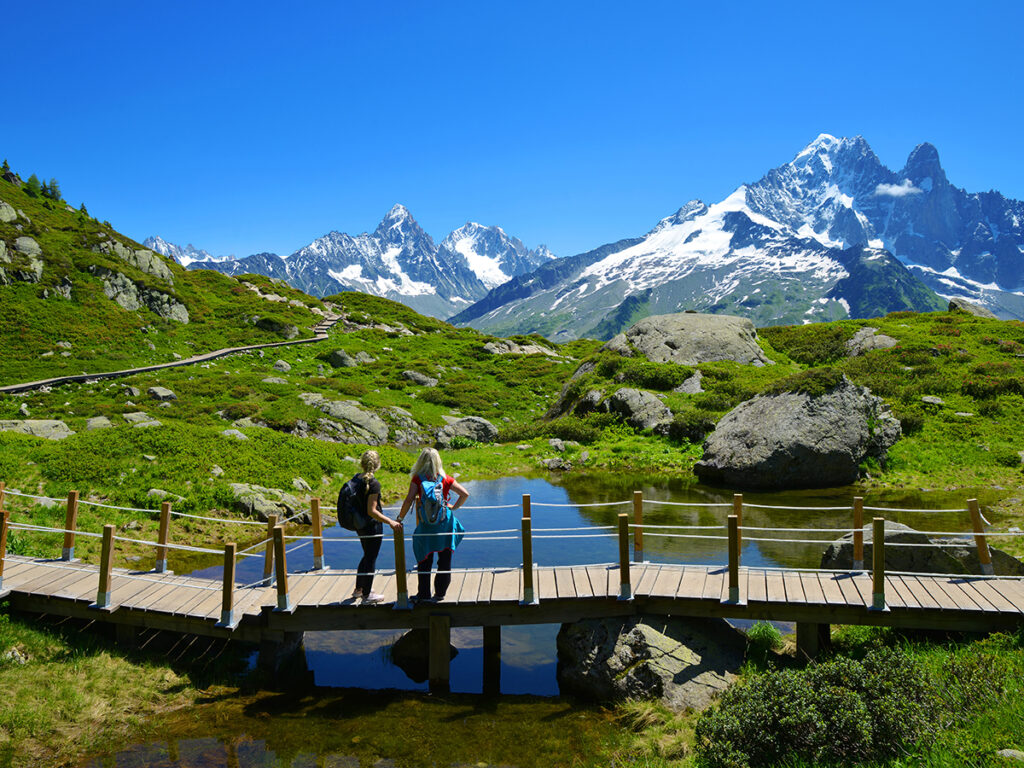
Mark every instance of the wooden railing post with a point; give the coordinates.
(734, 559)
(106, 561)
(984, 555)
(638, 523)
(3, 490)
(318, 535)
(878, 562)
(529, 598)
(526, 505)
(268, 558)
(737, 509)
(227, 608)
(5, 518)
(70, 522)
(625, 589)
(164, 537)
(402, 600)
(283, 600)
(858, 533)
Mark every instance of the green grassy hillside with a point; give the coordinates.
(58, 297)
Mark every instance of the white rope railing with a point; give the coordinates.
(688, 503)
(232, 520)
(747, 504)
(896, 509)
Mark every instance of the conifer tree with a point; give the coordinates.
(33, 186)
(6, 168)
(54, 189)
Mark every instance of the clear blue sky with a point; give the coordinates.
(250, 126)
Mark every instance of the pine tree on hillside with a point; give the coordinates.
(33, 187)
(6, 168)
(54, 190)
(83, 210)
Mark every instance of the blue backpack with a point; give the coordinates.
(433, 508)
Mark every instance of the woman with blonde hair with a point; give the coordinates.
(437, 529)
(371, 534)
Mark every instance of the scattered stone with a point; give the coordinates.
(523, 447)
(149, 457)
(1011, 754)
(963, 305)
(132, 391)
(867, 339)
(932, 400)
(506, 347)
(470, 427)
(300, 485)
(282, 366)
(259, 502)
(364, 358)
(692, 385)
(16, 656)
(7, 213)
(556, 464)
(932, 554)
(684, 662)
(339, 358)
(159, 493)
(98, 422)
(420, 378)
(557, 444)
(234, 433)
(691, 338)
(63, 344)
(584, 457)
(794, 440)
(161, 393)
(274, 380)
(23, 410)
(216, 471)
(48, 429)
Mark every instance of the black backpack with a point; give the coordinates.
(352, 505)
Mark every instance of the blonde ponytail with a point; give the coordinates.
(370, 462)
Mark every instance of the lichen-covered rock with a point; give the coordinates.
(796, 440)
(692, 385)
(471, 427)
(282, 366)
(958, 304)
(867, 339)
(98, 422)
(140, 419)
(259, 502)
(161, 393)
(690, 338)
(930, 554)
(27, 246)
(347, 422)
(339, 358)
(120, 289)
(7, 213)
(639, 408)
(506, 347)
(49, 429)
(682, 661)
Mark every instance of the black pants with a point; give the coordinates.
(371, 540)
(441, 580)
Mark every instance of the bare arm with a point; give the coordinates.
(375, 514)
(410, 497)
(461, 491)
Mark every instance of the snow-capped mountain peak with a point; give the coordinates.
(184, 256)
(493, 256)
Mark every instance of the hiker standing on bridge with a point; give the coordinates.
(372, 532)
(437, 529)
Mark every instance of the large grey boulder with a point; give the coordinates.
(795, 440)
(867, 339)
(471, 427)
(958, 304)
(121, 289)
(639, 408)
(27, 246)
(259, 502)
(7, 213)
(506, 347)
(49, 429)
(161, 393)
(339, 358)
(140, 419)
(98, 422)
(283, 366)
(346, 422)
(930, 554)
(684, 662)
(690, 338)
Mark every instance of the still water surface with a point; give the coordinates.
(361, 659)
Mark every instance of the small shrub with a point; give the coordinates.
(352, 388)
(574, 428)
(813, 382)
(809, 344)
(910, 423)
(1006, 457)
(1010, 347)
(712, 401)
(691, 426)
(240, 410)
(461, 441)
(984, 387)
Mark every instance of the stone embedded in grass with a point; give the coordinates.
(160, 493)
(274, 380)
(282, 366)
(161, 393)
(49, 429)
(932, 400)
(260, 502)
(471, 428)
(98, 422)
(140, 419)
(234, 433)
(420, 378)
(867, 339)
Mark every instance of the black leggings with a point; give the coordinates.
(441, 580)
(371, 541)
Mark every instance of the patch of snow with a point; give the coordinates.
(487, 268)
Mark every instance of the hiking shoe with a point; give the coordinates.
(437, 598)
(373, 597)
(420, 599)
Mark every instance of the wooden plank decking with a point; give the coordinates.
(321, 600)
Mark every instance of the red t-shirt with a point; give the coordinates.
(446, 485)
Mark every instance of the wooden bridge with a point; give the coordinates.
(283, 605)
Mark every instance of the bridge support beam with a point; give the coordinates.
(812, 639)
(492, 660)
(283, 658)
(439, 665)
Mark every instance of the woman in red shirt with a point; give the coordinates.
(437, 529)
